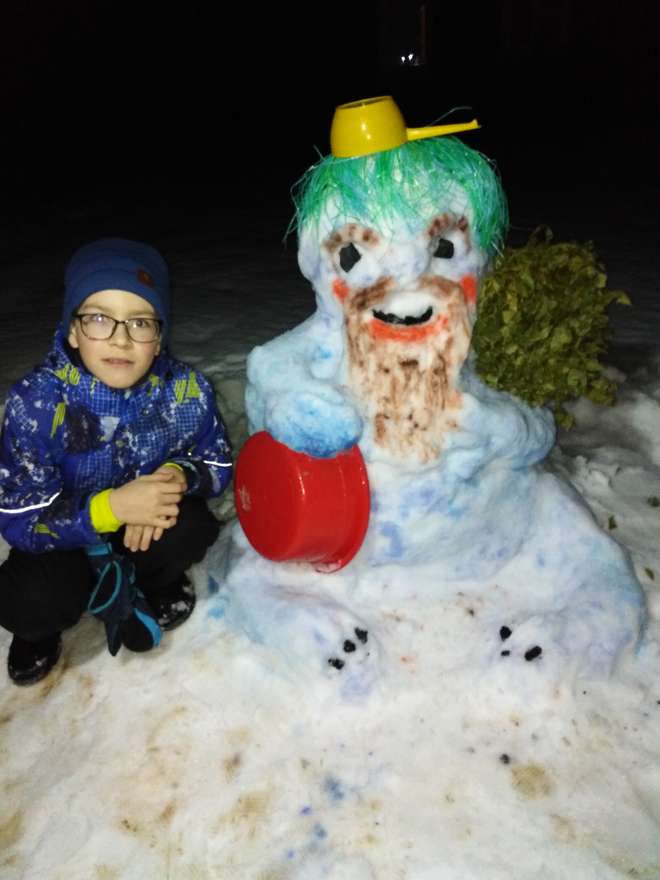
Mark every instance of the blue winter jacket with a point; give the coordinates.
(67, 436)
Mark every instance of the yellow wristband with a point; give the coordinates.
(173, 464)
(100, 512)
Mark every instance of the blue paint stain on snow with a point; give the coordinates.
(391, 531)
(290, 854)
(319, 637)
(427, 497)
(218, 606)
(333, 787)
(319, 831)
(454, 509)
(306, 811)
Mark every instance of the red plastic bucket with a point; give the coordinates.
(296, 507)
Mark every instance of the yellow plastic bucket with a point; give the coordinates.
(375, 124)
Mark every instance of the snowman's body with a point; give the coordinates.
(459, 499)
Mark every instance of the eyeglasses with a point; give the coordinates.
(97, 326)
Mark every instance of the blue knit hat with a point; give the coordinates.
(117, 264)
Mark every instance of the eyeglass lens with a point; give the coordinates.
(103, 327)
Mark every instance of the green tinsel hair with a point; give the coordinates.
(410, 183)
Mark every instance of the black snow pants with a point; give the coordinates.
(44, 593)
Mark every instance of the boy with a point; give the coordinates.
(109, 449)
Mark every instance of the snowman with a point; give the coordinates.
(397, 228)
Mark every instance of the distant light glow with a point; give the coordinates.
(409, 59)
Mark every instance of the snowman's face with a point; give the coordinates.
(402, 276)
(408, 302)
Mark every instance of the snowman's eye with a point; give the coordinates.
(444, 249)
(349, 255)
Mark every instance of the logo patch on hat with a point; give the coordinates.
(145, 278)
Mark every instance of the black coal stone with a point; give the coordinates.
(349, 255)
(349, 646)
(362, 635)
(444, 249)
(336, 662)
(533, 653)
(505, 632)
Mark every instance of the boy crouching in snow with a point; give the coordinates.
(109, 451)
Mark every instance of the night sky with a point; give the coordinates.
(96, 93)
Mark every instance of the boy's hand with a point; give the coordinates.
(140, 537)
(175, 474)
(151, 500)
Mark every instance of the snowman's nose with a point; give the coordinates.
(409, 265)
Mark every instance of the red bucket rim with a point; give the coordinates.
(351, 470)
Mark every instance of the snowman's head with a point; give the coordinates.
(431, 207)
(394, 244)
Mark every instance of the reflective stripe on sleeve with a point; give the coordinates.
(31, 506)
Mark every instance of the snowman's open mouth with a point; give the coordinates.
(405, 320)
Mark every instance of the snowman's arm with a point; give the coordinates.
(495, 425)
(294, 390)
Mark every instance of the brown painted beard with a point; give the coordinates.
(405, 377)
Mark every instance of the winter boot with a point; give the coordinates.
(174, 604)
(29, 662)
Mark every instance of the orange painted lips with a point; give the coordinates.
(403, 333)
(382, 330)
